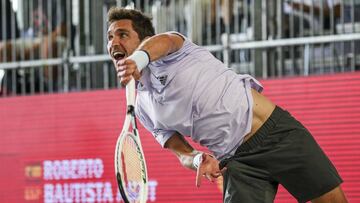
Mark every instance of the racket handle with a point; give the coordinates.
(130, 93)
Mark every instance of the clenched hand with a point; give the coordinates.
(208, 168)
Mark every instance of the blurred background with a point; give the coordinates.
(50, 46)
(61, 103)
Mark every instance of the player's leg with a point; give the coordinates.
(336, 196)
(288, 152)
(301, 166)
(243, 183)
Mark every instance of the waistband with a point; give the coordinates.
(259, 135)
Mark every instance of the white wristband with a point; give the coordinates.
(197, 160)
(141, 58)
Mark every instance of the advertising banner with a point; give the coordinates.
(60, 147)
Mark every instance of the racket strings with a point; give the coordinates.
(132, 162)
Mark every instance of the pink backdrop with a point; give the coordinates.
(60, 148)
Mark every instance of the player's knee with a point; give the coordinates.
(336, 195)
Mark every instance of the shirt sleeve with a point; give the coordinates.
(161, 135)
(255, 84)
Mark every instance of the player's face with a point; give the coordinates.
(122, 39)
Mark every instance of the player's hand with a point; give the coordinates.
(126, 69)
(208, 168)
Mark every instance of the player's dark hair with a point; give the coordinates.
(141, 23)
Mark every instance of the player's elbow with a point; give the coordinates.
(173, 41)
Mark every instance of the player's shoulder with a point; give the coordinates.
(176, 34)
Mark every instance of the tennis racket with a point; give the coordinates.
(130, 165)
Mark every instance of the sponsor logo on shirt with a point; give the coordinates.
(162, 79)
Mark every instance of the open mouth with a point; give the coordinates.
(118, 55)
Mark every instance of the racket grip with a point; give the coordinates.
(130, 93)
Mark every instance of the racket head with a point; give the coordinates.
(130, 168)
(130, 165)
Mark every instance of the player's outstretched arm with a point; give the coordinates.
(203, 163)
(182, 149)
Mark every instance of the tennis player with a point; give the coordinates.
(183, 90)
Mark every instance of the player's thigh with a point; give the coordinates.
(302, 167)
(243, 183)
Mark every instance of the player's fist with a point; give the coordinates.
(126, 69)
(208, 168)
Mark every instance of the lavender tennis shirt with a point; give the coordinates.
(195, 94)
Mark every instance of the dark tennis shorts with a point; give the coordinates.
(282, 152)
